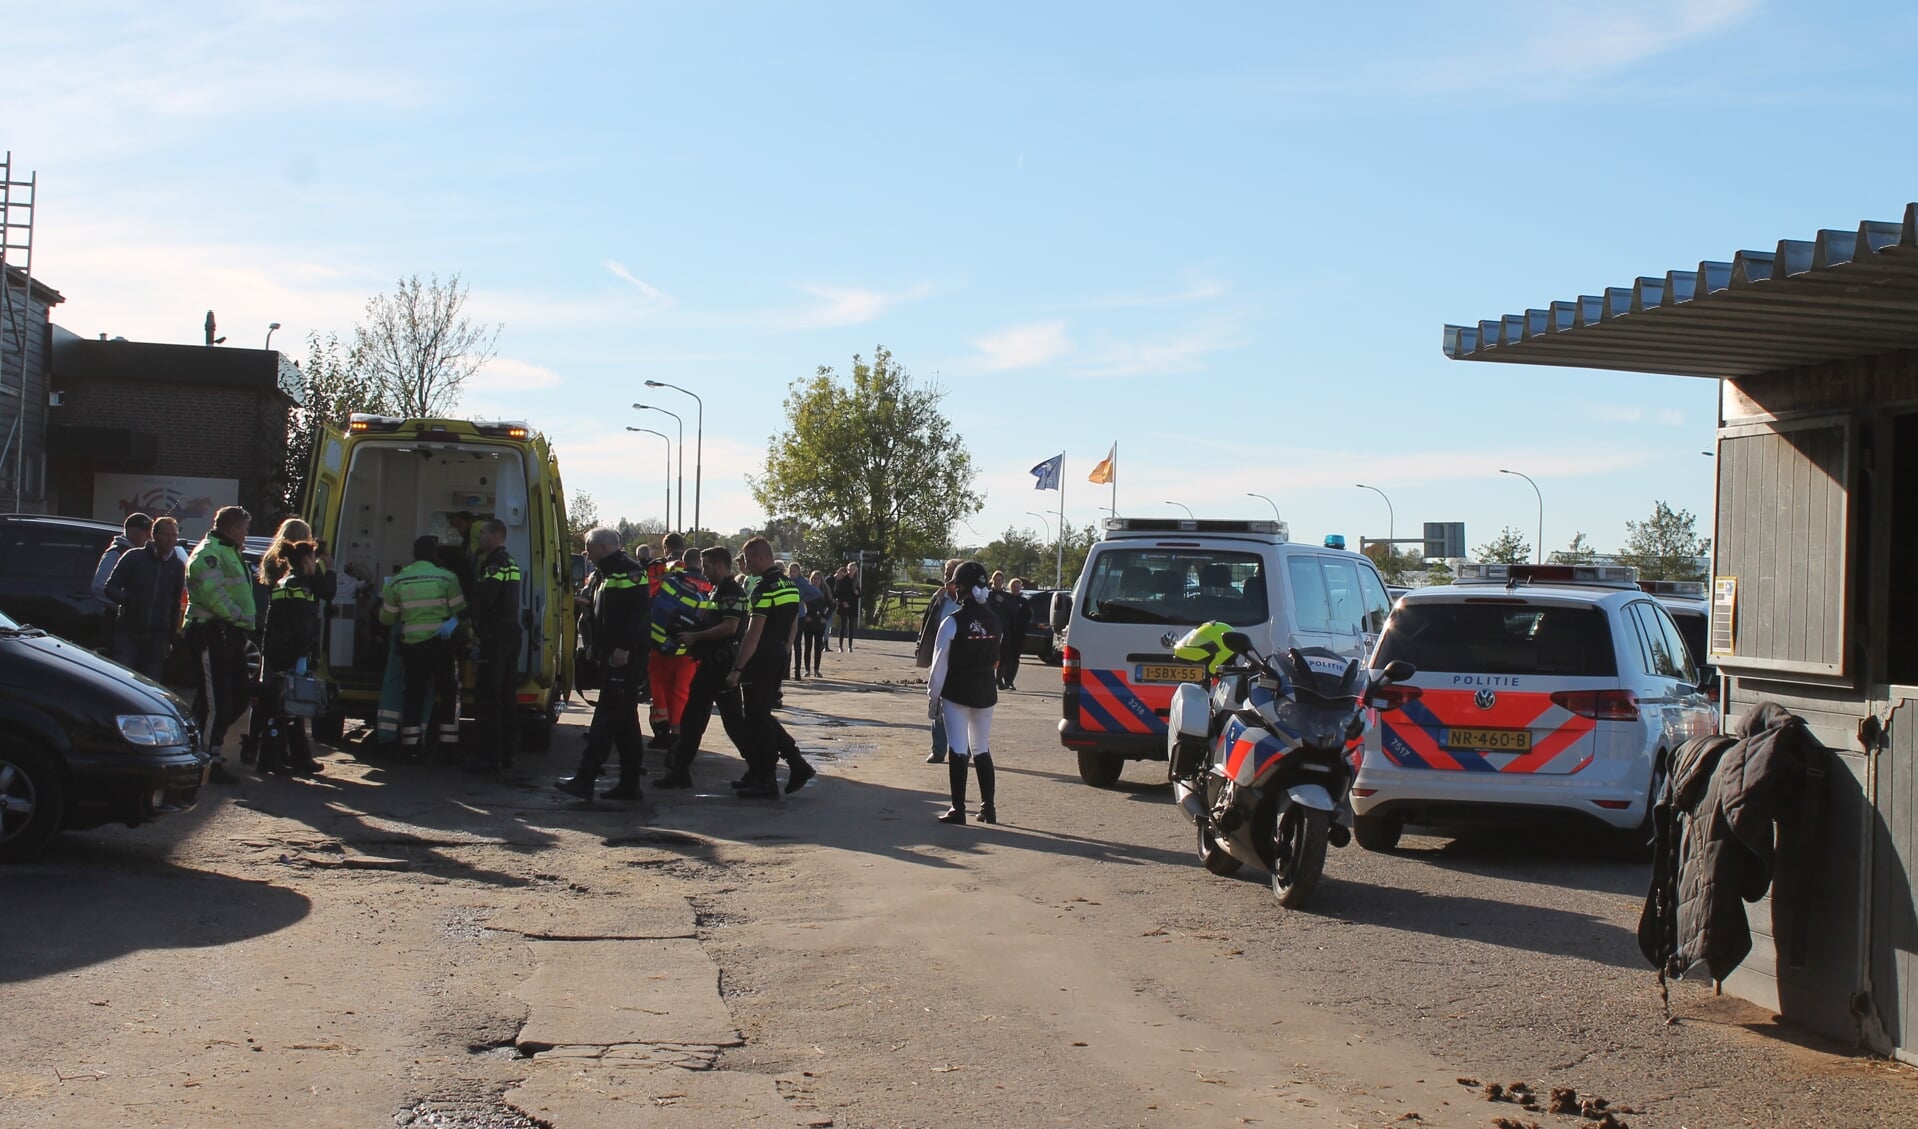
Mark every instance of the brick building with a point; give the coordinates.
(160, 427)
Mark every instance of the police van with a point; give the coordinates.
(384, 481)
(1148, 581)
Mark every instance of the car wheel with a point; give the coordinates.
(1377, 832)
(32, 801)
(1101, 770)
(1635, 844)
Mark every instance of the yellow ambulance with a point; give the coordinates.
(384, 481)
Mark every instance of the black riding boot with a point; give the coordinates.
(987, 784)
(956, 775)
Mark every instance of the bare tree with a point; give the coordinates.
(419, 348)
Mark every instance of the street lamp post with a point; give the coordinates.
(682, 460)
(271, 326)
(1058, 568)
(1541, 510)
(1183, 506)
(699, 447)
(669, 466)
(1391, 519)
(1267, 501)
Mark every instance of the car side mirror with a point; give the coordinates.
(1238, 642)
(1061, 609)
(1708, 681)
(1398, 670)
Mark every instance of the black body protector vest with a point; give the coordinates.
(974, 658)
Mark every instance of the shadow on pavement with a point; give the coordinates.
(1561, 859)
(135, 903)
(1491, 921)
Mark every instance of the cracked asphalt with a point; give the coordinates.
(371, 948)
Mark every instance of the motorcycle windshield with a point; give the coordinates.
(1316, 723)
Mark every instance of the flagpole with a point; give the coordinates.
(1115, 478)
(1059, 568)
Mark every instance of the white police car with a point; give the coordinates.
(1545, 693)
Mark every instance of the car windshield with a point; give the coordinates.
(7, 623)
(1175, 586)
(1499, 637)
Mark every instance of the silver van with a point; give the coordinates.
(1150, 580)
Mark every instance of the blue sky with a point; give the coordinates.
(1226, 239)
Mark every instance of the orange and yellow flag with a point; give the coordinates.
(1107, 468)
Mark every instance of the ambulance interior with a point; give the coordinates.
(394, 494)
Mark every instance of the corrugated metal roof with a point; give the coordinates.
(1843, 294)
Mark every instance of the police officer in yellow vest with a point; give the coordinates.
(496, 615)
(425, 602)
(219, 613)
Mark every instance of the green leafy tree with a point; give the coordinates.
(1392, 564)
(1021, 552)
(868, 461)
(1665, 546)
(582, 514)
(419, 347)
(1509, 547)
(1438, 572)
(1579, 552)
(333, 386)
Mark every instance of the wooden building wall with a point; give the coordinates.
(1804, 520)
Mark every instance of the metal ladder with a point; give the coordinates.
(16, 311)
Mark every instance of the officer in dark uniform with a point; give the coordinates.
(620, 626)
(496, 607)
(758, 672)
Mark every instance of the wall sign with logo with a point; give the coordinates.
(190, 501)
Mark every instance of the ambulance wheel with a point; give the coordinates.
(328, 728)
(1101, 770)
(1212, 856)
(1377, 832)
(536, 733)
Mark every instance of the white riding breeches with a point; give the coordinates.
(968, 728)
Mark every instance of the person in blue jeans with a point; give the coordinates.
(944, 603)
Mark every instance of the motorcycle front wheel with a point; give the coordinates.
(1298, 853)
(1212, 856)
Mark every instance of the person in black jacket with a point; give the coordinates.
(621, 629)
(147, 583)
(962, 688)
(495, 608)
(290, 642)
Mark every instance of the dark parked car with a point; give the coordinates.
(85, 742)
(46, 575)
(1039, 639)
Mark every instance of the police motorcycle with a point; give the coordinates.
(1262, 755)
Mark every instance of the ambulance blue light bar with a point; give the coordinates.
(1609, 576)
(1688, 589)
(1274, 529)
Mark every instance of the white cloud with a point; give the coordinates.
(1023, 346)
(504, 374)
(842, 306)
(654, 296)
(1573, 42)
(1185, 353)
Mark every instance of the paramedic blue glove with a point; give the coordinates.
(299, 667)
(446, 629)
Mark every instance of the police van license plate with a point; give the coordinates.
(1168, 672)
(1489, 740)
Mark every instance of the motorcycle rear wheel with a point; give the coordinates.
(1298, 854)
(1212, 856)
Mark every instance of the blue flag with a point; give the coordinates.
(1048, 472)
